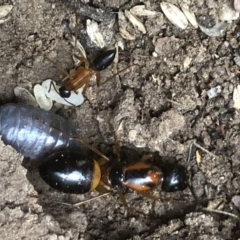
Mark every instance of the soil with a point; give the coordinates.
(160, 106)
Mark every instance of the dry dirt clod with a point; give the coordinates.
(5, 10)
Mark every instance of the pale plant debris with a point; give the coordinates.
(215, 31)
(5, 10)
(135, 21)
(205, 150)
(198, 158)
(227, 13)
(43, 101)
(51, 90)
(126, 35)
(174, 15)
(123, 24)
(25, 96)
(236, 201)
(237, 5)
(189, 15)
(186, 63)
(140, 10)
(94, 33)
(236, 97)
(222, 212)
(76, 44)
(214, 92)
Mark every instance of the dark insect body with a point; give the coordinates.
(83, 74)
(143, 176)
(34, 132)
(69, 172)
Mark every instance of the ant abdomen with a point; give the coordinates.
(70, 172)
(103, 60)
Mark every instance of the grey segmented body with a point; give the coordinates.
(34, 132)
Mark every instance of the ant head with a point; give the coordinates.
(64, 93)
(175, 178)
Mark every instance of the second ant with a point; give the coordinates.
(81, 76)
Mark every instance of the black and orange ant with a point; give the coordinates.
(81, 76)
(70, 172)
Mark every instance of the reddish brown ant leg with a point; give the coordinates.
(117, 73)
(131, 211)
(84, 60)
(58, 67)
(98, 78)
(145, 158)
(101, 189)
(147, 195)
(117, 147)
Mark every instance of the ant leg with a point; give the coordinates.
(147, 195)
(101, 189)
(89, 200)
(90, 147)
(84, 60)
(117, 73)
(58, 67)
(124, 202)
(145, 158)
(102, 161)
(50, 86)
(81, 141)
(98, 78)
(116, 142)
(71, 74)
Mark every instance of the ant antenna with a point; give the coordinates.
(76, 205)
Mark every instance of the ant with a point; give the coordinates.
(81, 76)
(70, 172)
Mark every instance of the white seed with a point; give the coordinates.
(187, 61)
(198, 158)
(174, 15)
(236, 97)
(140, 10)
(189, 15)
(125, 34)
(215, 31)
(122, 20)
(51, 90)
(94, 33)
(227, 13)
(135, 22)
(5, 10)
(214, 92)
(237, 5)
(236, 200)
(43, 101)
(25, 96)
